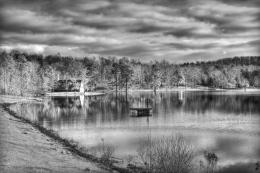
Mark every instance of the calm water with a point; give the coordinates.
(226, 123)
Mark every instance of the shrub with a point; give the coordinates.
(105, 152)
(166, 155)
(212, 160)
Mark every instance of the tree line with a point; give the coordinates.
(32, 74)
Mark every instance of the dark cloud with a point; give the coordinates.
(130, 51)
(188, 33)
(179, 30)
(251, 3)
(169, 3)
(180, 33)
(255, 43)
(192, 46)
(144, 28)
(93, 24)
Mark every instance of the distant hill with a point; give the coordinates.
(244, 60)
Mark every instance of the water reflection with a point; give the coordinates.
(224, 123)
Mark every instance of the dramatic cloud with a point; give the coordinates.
(178, 31)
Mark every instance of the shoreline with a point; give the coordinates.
(4, 99)
(25, 147)
(15, 99)
(193, 89)
(70, 146)
(72, 94)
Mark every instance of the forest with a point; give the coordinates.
(33, 74)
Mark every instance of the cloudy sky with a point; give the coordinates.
(175, 30)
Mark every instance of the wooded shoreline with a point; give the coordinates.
(34, 75)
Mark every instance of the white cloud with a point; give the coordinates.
(33, 48)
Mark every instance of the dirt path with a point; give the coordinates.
(25, 149)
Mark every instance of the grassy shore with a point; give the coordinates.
(15, 99)
(78, 159)
(24, 149)
(28, 147)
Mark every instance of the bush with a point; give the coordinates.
(105, 152)
(212, 160)
(166, 155)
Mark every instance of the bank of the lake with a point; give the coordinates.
(23, 148)
(192, 89)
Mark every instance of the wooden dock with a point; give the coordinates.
(141, 111)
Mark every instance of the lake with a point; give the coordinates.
(223, 122)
